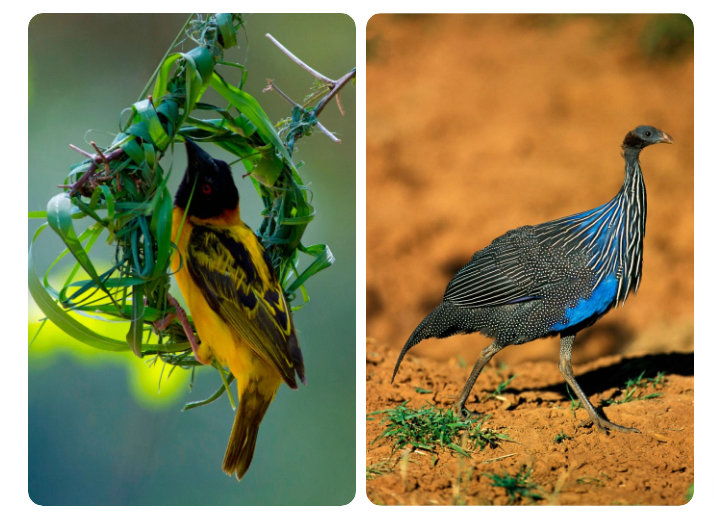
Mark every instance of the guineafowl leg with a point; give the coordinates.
(566, 369)
(485, 357)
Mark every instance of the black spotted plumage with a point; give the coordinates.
(553, 278)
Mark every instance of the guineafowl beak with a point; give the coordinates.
(666, 138)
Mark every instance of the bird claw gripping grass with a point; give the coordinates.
(555, 278)
(123, 189)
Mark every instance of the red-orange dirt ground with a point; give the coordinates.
(480, 124)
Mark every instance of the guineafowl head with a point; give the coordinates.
(644, 136)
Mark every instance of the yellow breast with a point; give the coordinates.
(218, 339)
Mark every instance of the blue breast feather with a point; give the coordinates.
(602, 298)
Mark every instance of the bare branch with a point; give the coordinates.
(334, 86)
(274, 87)
(338, 86)
(83, 152)
(329, 134)
(339, 103)
(92, 167)
(300, 62)
(101, 156)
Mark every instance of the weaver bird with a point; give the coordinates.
(235, 299)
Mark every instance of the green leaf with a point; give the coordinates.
(228, 32)
(163, 78)
(65, 322)
(142, 231)
(59, 217)
(324, 259)
(109, 198)
(62, 318)
(269, 166)
(150, 315)
(199, 70)
(247, 104)
(204, 60)
(163, 233)
(145, 114)
(93, 233)
(134, 151)
(136, 329)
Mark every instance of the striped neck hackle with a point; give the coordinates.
(633, 196)
(611, 235)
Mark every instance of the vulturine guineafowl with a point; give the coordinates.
(555, 278)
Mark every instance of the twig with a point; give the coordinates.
(83, 152)
(338, 86)
(272, 86)
(300, 62)
(335, 87)
(339, 103)
(101, 156)
(328, 133)
(499, 458)
(116, 154)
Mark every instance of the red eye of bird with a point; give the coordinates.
(206, 189)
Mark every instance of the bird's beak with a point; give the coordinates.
(666, 138)
(197, 158)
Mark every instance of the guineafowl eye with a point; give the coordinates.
(648, 133)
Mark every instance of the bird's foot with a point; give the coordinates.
(462, 412)
(162, 323)
(605, 425)
(183, 319)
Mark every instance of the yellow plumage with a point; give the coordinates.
(235, 299)
(218, 339)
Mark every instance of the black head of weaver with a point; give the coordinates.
(644, 136)
(215, 189)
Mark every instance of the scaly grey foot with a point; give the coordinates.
(605, 425)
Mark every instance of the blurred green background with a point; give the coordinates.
(100, 432)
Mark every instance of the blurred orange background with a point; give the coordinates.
(478, 124)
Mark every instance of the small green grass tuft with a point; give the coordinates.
(500, 388)
(574, 404)
(377, 469)
(560, 438)
(517, 487)
(421, 390)
(430, 426)
(634, 387)
(689, 494)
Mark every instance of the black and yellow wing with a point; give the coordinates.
(236, 277)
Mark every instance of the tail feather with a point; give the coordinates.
(296, 355)
(241, 445)
(446, 320)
